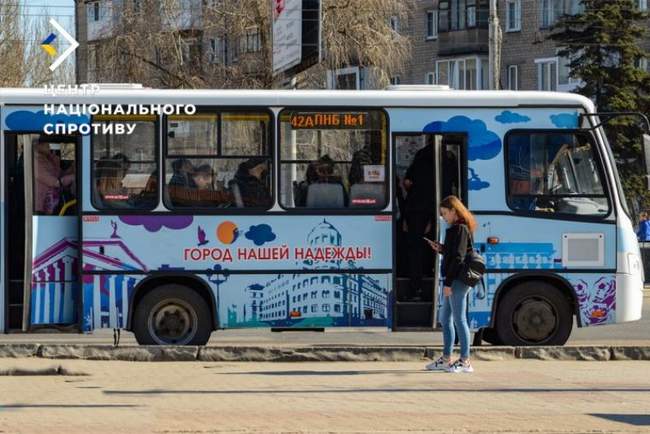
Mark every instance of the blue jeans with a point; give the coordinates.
(454, 311)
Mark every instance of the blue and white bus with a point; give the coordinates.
(174, 213)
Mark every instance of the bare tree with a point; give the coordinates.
(359, 33)
(227, 43)
(24, 63)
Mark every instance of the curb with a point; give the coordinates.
(313, 353)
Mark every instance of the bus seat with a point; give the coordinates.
(234, 188)
(325, 195)
(367, 194)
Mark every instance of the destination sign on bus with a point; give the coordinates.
(328, 120)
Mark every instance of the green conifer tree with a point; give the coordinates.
(602, 43)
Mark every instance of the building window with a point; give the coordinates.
(513, 77)
(471, 13)
(554, 173)
(513, 15)
(432, 24)
(337, 308)
(218, 160)
(333, 160)
(216, 51)
(643, 5)
(395, 80)
(337, 294)
(643, 64)
(314, 308)
(430, 78)
(325, 307)
(461, 14)
(394, 24)
(345, 78)
(547, 74)
(96, 11)
(551, 11)
(462, 73)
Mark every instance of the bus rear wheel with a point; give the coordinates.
(534, 313)
(172, 315)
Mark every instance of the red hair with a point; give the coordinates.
(464, 215)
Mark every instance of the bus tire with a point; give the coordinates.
(490, 336)
(534, 313)
(172, 314)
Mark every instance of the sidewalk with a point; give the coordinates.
(203, 397)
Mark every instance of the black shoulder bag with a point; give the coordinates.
(473, 267)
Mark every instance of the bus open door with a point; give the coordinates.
(40, 224)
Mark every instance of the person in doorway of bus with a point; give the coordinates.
(252, 180)
(419, 183)
(50, 179)
(454, 305)
(643, 233)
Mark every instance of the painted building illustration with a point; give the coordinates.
(106, 296)
(54, 289)
(326, 299)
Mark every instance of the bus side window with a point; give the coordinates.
(124, 166)
(218, 160)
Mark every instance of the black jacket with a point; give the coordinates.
(421, 196)
(254, 192)
(457, 244)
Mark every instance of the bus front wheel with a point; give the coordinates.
(172, 315)
(534, 313)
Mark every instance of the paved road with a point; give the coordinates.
(635, 333)
(194, 397)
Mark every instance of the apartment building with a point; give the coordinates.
(449, 41)
(204, 43)
(450, 44)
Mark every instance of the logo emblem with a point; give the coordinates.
(47, 46)
(227, 232)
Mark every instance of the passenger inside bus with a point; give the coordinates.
(194, 187)
(110, 174)
(322, 187)
(252, 183)
(420, 208)
(54, 184)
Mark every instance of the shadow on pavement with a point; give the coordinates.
(324, 373)
(630, 419)
(6, 406)
(385, 390)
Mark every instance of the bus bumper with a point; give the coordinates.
(629, 297)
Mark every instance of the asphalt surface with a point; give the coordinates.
(634, 333)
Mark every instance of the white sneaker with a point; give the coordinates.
(460, 366)
(441, 364)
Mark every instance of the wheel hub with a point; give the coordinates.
(535, 320)
(172, 322)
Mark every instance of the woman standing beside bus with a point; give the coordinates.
(458, 241)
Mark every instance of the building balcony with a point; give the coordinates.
(467, 41)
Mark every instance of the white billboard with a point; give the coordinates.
(287, 34)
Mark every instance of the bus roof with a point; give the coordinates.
(318, 98)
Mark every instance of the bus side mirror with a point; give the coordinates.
(646, 157)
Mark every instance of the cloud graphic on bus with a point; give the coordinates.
(260, 234)
(483, 144)
(157, 222)
(565, 120)
(508, 117)
(476, 183)
(25, 120)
